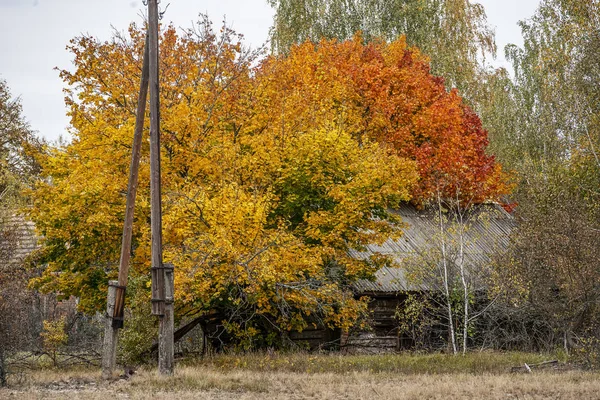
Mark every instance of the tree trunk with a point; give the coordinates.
(461, 264)
(445, 278)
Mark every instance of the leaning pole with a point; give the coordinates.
(162, 274)
(116, 289)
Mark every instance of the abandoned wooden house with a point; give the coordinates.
(485, 229)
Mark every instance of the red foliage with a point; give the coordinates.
(385, 92)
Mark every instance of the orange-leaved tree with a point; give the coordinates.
(385, 92)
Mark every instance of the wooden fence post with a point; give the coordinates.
(109, 351)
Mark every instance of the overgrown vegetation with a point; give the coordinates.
(20, 322)
(552, 142)
(437, 363)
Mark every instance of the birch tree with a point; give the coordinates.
(551, 141)
(18, 146)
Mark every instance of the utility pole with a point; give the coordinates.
(162, 302)
(131, 192)
(162, 275)
(116, 290)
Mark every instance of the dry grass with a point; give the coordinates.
(208, 380)
(436, 363)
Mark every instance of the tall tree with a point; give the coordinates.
(556, 80)
(552, 142)
(258, 216)
(272, 171)
(454, 33)
(18, 146)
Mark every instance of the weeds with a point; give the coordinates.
(472, 363)
(262, 376)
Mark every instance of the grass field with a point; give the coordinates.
(305, 376)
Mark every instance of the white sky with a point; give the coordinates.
(34, 33)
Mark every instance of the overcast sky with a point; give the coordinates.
(34, 33)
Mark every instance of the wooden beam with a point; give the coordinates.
(116, 289)
(185, 329)
(131, 192)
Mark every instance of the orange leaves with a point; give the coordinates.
(385, 92)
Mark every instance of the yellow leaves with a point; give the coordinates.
(335, 183)
(54, 336)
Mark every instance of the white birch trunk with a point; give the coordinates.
(461, 265)
(446, 283)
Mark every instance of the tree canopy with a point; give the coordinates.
(273, 170)
(386, 93)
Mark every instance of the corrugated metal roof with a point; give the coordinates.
(486, 229)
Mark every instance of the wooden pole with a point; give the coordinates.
(158, 288)
(109, 353)
(165, 348)
(131, 192)
(115, 304)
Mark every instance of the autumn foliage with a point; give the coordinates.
(385, 93)
(273, 170)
